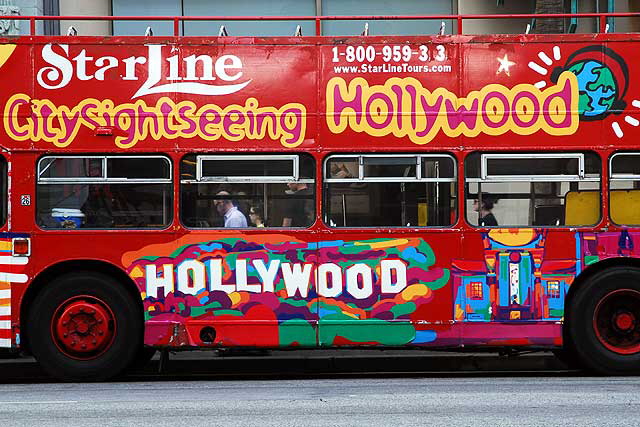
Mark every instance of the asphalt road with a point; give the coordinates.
(454, 401)
(316, 388)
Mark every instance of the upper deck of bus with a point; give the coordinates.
(319, 93)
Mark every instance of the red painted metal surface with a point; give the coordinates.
(83, 327)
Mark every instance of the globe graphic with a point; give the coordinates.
(597, 86)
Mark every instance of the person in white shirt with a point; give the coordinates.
(233, 218)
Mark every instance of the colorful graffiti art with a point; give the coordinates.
(599, 246)
(288, 294)
(513, 282)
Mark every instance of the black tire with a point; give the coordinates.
(604, 322)
(59, 321)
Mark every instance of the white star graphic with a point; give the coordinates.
(505, 64)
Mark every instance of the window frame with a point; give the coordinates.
(620, 177)
(248, 178)
(582, 176)
(5, 190)
(485, 176)
(199, 179)
(104, 178)
(363, 179)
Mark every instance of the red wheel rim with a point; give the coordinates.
(616, 321)
(83, 327)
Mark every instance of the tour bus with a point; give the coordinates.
(426, 192)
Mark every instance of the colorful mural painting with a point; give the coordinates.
(366, 293)
(370, 292)
(513, 281)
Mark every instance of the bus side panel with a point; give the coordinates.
(510, 287)
(228, 290)
(405, 302)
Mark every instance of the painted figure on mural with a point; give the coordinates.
(233, 218)
(513, 281)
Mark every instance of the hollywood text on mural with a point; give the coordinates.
(404, 108)
(329, 279)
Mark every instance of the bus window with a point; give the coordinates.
(102, 192)
(3, 191)
(393, 190)
(533, 189)
(625, 188)
(242, 191)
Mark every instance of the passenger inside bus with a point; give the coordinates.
(483, 205)
(299, 208)
(255, 216)
(233, 218)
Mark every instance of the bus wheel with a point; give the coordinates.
(84, 327)
(605, 322)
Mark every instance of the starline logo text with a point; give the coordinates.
(225, 69)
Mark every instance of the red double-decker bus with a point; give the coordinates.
(436, 191)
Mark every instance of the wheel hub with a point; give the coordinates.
(83, 327)
(615, 321)
(624, 321)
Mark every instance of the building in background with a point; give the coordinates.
(313, 8)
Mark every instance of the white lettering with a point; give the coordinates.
(364, 272)
(154, 282)
(130, 66)
(329, 288)
(267, 275)
(227, 68)
(81, 65)
(400, 269)
(330, 279)
(241, 278)
(191, 276)
(61, 70)
(296, 278)
(100, 62)
(226, 62)
(207, 67)
(173, 68)
(215, 277)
